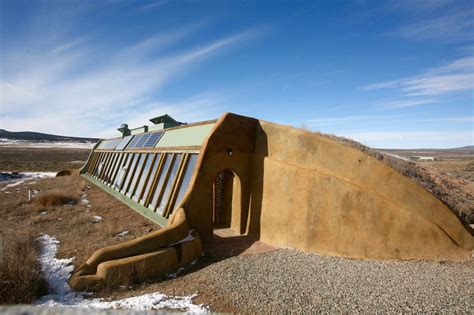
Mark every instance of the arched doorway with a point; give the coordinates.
(227, 209)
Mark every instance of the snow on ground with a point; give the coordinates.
(17, 183)
(12, 176)
(16, 179)
(97, 219)
(45, 144)
(57, 271)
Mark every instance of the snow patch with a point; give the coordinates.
(45, 144)
(13, 185)
(57, 272)
(97, 219)
(123, 233)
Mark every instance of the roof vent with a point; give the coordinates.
(165, 121)
(124, 130)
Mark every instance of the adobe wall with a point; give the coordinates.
(305, 191)
(322, 196)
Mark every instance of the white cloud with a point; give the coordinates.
(454, 77)
(71, 89)
(448, 25)
(407, 103)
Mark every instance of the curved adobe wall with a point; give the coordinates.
(306, 191)
(322, 196)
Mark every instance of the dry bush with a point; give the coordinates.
(54, 199)
(20, 275)
(63, 173)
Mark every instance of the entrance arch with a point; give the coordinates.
(227, 205)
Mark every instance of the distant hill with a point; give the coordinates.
(38, 136)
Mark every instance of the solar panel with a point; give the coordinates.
(123, 143)
(153, 139)
(134, 141)
(142, 140)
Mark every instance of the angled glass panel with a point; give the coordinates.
(146, 169)
(118, 164)
(100, 165)
(123, 143)
(108, 166)
(111, 168)
(169, 184)
(159, 184)
(96, 165)
(121, 172)
(142, 140)
(105, 165)
(186, 179)
(153, 139)
(130, 170)
(154, 169)
(138, 167)
(102, 144)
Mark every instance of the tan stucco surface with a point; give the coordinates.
(303, 190)
(149, 256)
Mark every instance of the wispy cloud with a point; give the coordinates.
(380, 119)
(319, 122)
(406, 103)
(425, 88)
(152, 5)
(448, 25)
(61, 89)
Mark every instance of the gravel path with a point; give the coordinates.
(292, 281)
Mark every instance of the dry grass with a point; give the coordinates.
(41, 159)
(72, 223)
(20, 276)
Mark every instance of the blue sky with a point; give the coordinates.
(393, 74)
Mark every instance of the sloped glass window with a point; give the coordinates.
(131, 167)
(154, 169)
(110, 167)
(116, 167)
(99, 168)
(186, 179)
(169, 184)
(159, 185)
(121, 172)
(146, 169)
(141, 159)
(123, 143)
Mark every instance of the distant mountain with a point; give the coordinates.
(38, 136)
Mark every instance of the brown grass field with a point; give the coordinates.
(58, 209)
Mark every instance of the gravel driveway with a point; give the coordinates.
(292, 281)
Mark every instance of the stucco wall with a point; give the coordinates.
(306, 191)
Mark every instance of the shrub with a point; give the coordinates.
(20, 275)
